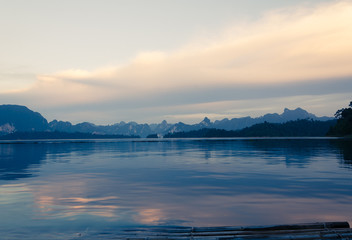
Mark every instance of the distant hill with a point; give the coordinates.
(143, 130)
(287, 115)
(131, 128)
(297, 128)
(20, 118)
(14, 118)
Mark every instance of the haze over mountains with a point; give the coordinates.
(21, 119)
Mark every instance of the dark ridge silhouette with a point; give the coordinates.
(14, 118)
(298, 128)
(20, 118)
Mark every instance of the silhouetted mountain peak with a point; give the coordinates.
(20, 118)
(297, 110)
(60, 126)
(295, 114)
(206, 121)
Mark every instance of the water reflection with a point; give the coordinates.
(345, 150)
(187, 182)
(17, 159)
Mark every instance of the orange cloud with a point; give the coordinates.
(285, 46)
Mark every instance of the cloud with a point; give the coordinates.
(289, 46)
(13, 76)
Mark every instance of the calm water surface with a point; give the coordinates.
(58, 188)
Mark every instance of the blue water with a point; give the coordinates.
(56, 189)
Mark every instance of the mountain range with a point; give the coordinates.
(15, 118)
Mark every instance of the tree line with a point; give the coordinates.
(343, 126)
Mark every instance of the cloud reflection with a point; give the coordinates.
(53, 207)
(149, 216)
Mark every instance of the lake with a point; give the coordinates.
(58, 189)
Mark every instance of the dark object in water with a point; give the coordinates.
(307, 231)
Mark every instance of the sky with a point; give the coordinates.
(147, 61)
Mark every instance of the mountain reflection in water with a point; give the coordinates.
(100, 184)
